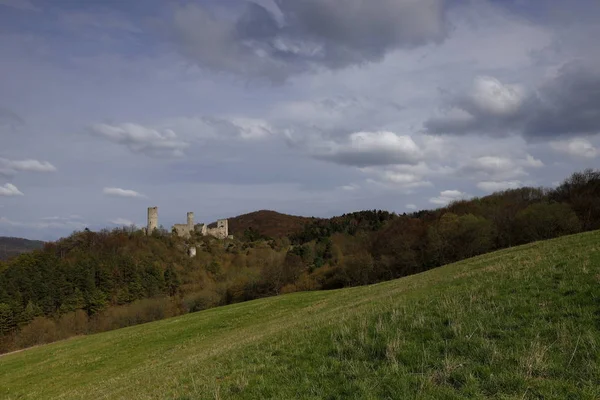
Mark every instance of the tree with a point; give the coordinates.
(582, 191)
(545, 221)
(95, 302)
(171, 280)
(358, 269)
(30, 312)
(7, 319)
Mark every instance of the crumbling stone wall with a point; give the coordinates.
(221, 231)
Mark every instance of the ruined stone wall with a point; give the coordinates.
(152, 220)
(221, 231)
(182, 230)
(202, 229)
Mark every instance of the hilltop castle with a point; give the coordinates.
(221, 231)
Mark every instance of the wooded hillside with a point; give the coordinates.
(94, 281)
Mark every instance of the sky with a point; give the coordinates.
(312, 107)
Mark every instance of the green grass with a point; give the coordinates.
(522, 323)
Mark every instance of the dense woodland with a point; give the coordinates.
(96, 281)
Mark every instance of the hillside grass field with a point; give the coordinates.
(521, 323)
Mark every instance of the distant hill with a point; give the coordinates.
(268, 223)
(12, 246)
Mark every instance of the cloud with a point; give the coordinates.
(11, 167)
(363, 149)
(240, 127)
(411, 206)
(448, 196)
(44, 224)
(576, 147)
(25, 5)
(565, 104)
(491, 107)
(350, 187)
(492, 186)
(118, 192)
(401, 179)
(293, 36)
(121, 221)
(140, 139)
(497, 168)
(10, 190)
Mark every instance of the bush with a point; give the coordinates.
(201, 301)
(39, 331)
(73, 323)
(138, 312)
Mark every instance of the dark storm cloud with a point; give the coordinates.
(310, 33)
(566, 105)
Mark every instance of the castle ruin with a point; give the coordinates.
(152, 220)
(221, 231)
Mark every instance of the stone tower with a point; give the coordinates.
(190, 220)
(152, 220)
(222, 228)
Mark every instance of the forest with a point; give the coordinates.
(96, 281)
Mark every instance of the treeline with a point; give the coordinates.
(95, 281)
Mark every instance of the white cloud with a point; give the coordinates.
(118, 192)
(411, 206)
(11, 167)
(121, 221)
(10, 190)
(403, 180)
(25, 5)
(492, 186)
(363, 149)
(489, 107)
(499, 168)
(140, 139)
(577, 147)
(350, 187)
(448, 196)
(530, 161)
(491, 96)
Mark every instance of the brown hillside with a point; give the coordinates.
(11, 246)
(268, 223)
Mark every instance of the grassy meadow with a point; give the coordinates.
(521, 323)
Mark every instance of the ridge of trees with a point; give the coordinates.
(95, 281)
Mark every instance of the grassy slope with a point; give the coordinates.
(522, 323)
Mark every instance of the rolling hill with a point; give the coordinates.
(268, 223)
(520, 323)
(11, 246)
